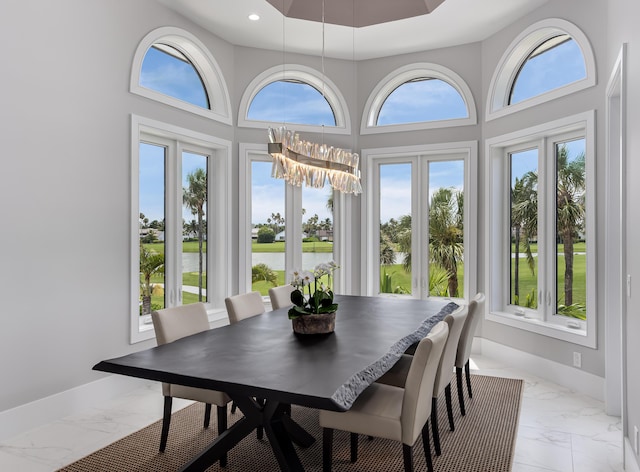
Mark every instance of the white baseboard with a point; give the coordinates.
(570, 377)
(31, 415)
(630, 460)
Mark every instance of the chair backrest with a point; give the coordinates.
(179, 321)
(416, 403)
(281, 296)
(445, 370)
(244, 306)
(469, 330)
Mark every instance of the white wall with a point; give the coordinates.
(64, 185)
(622, 27)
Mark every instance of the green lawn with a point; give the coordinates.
(278, 246)
(400, 278)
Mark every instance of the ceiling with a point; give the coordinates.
(451, 22)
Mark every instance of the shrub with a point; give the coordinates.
(266, 235)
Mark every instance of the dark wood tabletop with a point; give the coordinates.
(261, 356)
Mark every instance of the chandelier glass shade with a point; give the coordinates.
(301, 162)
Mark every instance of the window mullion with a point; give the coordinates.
(173, 225)
(544, 242)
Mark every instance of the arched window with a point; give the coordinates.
(419, 96)
(549, 59)
(173, 67)
(297, 95)
(166, 70)
(291, 101)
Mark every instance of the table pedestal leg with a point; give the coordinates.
(281, 430)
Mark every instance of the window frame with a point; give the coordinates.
(400, 76)
(176, 140)
(249, 153)
(421, 155)
(518, 52)
(308, 76)
(201, 59)
(497, 209)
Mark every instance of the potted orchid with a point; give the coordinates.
(313, 309)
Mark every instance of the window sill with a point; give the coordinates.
(545, 328)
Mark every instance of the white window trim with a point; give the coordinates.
(200, 57)
(404, 74)
(218, 257)
(371, 229)
(248, 153)
(304, 74)
(497, 210)
(518, 52)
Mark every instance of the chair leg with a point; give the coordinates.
(222, 427)
(207, 415)
(407, 455)
(327, 449)
(426, 444)
(460, 390)
(166, 422)
(354, 447)
(447, 397)
(434, 425)
(468, 375)
(233, 407)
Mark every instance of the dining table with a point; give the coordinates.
(265, 367)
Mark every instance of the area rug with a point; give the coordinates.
(483, 440)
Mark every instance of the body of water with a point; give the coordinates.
(275, 260)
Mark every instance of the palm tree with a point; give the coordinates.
(524, 221)
(570, 210)
(194, 197)
(445, 234)
(260, 272)
(150, 263)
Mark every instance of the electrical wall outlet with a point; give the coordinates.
(635, 439)
(577, 359)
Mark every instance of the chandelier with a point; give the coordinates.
(302, 162)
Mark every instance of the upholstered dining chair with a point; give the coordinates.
(240, 307)
(464, 347)
(174, 323)
(245, 305)
(390, 412)
(397, 375)
(281, 296)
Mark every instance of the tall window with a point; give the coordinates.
(422, 216)
(178, 250)
(268, 236)
(547, 232)
(284, 227)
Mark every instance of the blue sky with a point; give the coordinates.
(293, 102)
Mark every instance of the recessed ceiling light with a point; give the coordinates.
(254, 17)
